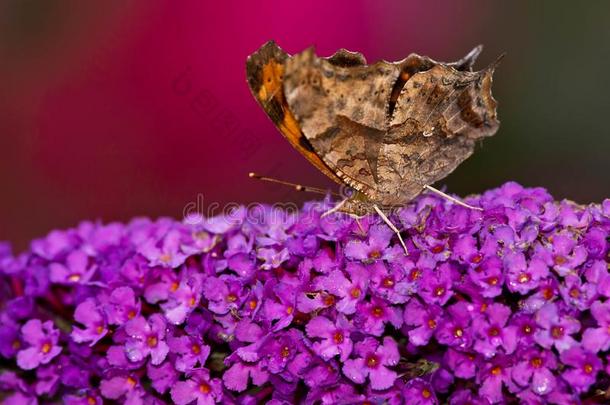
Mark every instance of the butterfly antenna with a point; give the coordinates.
(297, 187)
(392, 227)
(452, 199)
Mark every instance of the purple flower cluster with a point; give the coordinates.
(509, 304)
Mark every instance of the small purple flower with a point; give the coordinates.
(42, 339)
(492, 376)
(10, 340)
(373, 361)
(373, 316)
(121, 306)
(164, 251)
(89, 315)
(335, 337)
(534, 369)
(285, 354)
(576, 293)
(583, 369)
(224, 293)
(419, 392)
(190, 350)
(562, 253)
(488, 276)
(523, 278)
(455, 329)
(436, 285)
(422, 320)
(184, 298)
(163, 376)
(272, 259)
(491, 331)
(146, 337)
(379, 237)
(463, 365)
(75, 270)
(350, 291)
(556, 328)
(598, 339)
(123, 386)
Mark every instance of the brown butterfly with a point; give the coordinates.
(387, 130)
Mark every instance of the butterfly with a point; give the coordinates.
(387, 130)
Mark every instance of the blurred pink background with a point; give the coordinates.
(117, 109)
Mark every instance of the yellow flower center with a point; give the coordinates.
(496, 370)
(557, 332)
(431, 323)
(414, 274)
(152, 341)
(492, 280)
(289, 310)
(74, 277)
(388, 282)
(195, 348)
(438, 291)
(588, 368)
(426, 393)
(46, 348)
(523, 278)
(458, 332)
(355, 292)
(377, 311)
(204, 388)
(252, 304)
(372, 361)
(285, 352)
(338, 337)
(375, 254)
(174, 286)
(231, 297)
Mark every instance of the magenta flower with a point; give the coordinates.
(88, 314)
(335, 337)
(373, 248)
(455, 329)
(350, 290)
(556, 328)
(505, 305)
(146, 337)
(190, 350)
(125, 386)
(491, 331)
(75, 270)
(583, 368)
(42, 338)
(373, 361)
(419, 392)
(534, 370)
(598, 339)
(523, 278)
(422, 321)
(121, 306)
(373, 316)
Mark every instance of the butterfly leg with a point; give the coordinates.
(452, 199)
(392, 227)
(335, 208)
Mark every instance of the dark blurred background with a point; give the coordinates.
(121, 108)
